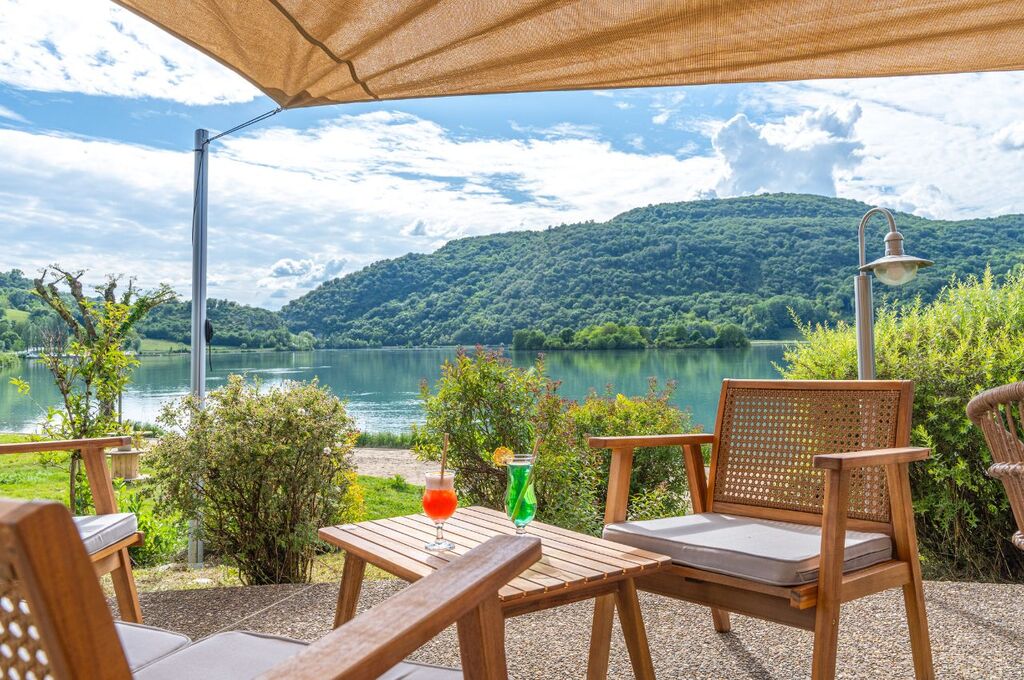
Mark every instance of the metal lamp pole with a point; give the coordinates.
(894, 269)
(198, 375)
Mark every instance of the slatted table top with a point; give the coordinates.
(570, 560)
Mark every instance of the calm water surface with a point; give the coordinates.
(382, 385)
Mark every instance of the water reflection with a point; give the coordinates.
(382, 385)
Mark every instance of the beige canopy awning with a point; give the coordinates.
(312, 52)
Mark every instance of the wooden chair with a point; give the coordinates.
(56, 623)
(808, 506)
(999, 412)
(108, 534)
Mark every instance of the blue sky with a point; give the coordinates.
(97, 111)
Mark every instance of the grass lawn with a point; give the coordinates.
(24, 476)
(15, 314)
(153, 345)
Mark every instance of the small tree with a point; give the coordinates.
(264, 470)
(86, 355)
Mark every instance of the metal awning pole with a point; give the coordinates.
(198, 347)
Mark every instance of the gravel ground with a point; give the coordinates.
(391, 462)
(976, 630)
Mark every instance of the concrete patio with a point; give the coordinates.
(977, 632)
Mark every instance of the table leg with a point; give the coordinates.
(601, 637)
(633, 630)
(348, 593)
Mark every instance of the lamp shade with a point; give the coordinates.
(896, 270)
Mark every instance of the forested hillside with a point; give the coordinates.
(23, 316)
(234, 325)
(743, 260)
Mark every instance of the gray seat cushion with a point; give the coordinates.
(101, 531)
(776, 553)
(145, 644)
(244, 656)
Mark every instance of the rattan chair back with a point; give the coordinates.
(54, 617)
(770, 430)
(999, 412)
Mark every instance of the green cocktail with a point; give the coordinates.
(520, 500)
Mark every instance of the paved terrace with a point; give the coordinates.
(977, 632)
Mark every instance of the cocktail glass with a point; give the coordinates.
(520, 499)
(439, 503)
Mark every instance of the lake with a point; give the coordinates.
(382, 385)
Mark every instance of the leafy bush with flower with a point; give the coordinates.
(264, 469)
(484, 402)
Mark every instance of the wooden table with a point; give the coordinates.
(574, 567)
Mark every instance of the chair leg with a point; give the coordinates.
(826, 641)
(720, 617)
(601, 637)
(124, 588)
(917, 622)
(482, 642)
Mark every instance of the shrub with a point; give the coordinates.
(165, 533)
(484, 402)
(263, 469)
(658, 471)
(970, 338)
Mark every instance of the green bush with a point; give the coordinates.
(166, 534)
(484, 402)
(970, 338)
(264, 469)
(657, 472)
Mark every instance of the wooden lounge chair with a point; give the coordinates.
(999, 412)
(108, 534)
(799, 469)
(56, 623)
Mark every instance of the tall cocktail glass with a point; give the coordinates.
(439, 503)
(520, 499)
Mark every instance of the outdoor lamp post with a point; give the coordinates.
(894, 269)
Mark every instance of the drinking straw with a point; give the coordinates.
(529, 478)
(444, 454)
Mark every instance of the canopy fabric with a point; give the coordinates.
(313, 52)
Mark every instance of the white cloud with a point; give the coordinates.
(936, 145)
(95, 47)
(803, 153)
(11, 115)
(288, 210)
(288, 273)
(1011, 137)
(666, 105)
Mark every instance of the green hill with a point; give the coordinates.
(743, 260)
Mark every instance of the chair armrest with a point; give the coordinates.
(870, 458)
(370, 644)
(650, 440)
(64, 445)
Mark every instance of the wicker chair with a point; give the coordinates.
(999, 412)
(808, 507)
(55, 623)
(108, 534)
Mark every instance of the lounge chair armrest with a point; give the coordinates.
(870, 458)
(370, 644)
(64, 445)
(649, 441)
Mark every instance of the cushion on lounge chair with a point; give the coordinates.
(244, 656)
(776, 553)
(145, 644)
(101, 531)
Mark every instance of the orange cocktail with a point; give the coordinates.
(439, 503)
